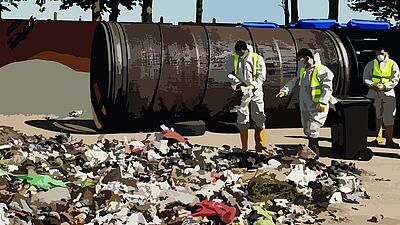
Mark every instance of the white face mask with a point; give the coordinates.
(246, 53)
(380, 58)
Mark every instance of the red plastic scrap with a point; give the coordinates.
(22, 214)
(215, 176)
(133, 150)
(213, 208)
(173, 135)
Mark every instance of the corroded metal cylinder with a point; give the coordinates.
(147, 74)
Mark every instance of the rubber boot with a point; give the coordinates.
(314, 145)
(259, 137)
(389, 137)
(379, 128)
(379, 135)
(244, 135)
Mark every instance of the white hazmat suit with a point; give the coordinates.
(382, 77)
(385, 100)
(312, 119)
(253, 97)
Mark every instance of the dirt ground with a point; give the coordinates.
(383, 187)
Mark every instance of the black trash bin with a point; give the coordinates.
(350, 128)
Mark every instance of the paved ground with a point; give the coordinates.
(385, 195)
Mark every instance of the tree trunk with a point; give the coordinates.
(96, 11)
(294, 10)
(147, 11)
(334, 9)
(286, 10)
(114, 14)
(199, 11)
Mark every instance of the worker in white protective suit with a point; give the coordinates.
(247, 74)
(382, 75)
(315, 95)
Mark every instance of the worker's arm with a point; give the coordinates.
(367, 75)
(394, 78)
(325, 77)
(231, 73)
(288, 88)
(261, 70)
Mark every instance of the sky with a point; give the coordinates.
(174, 11)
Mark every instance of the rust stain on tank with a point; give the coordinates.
(184, 68)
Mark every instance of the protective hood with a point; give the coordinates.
(317, 58)
(249, 52)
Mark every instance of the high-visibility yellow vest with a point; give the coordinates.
(381, 77)
(236, 64)
(315, 85)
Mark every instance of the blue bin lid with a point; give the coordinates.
(370, 24)
(342, 25)
(292, 24)
(260, 24)
(317, 23)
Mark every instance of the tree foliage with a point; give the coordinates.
(110, 6)
(5, 6)
(381, 9)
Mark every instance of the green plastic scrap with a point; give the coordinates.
(39, 181)
(88, 183)
(266, 218)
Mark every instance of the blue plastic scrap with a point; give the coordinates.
(369, 24)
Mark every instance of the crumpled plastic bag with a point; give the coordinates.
(39, 181)
(88, 183)
(245, 101)
(266, 216)
(213, 208)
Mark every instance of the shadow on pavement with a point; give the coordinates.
(370, 144)
(293, 149)
(387, 155)
(304, 137)
(65, 126)
(76, 126)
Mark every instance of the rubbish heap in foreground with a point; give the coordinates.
(164, 179)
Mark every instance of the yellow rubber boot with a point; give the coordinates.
(244, 135)
(259, 137)
(379, 128)
(379, 137)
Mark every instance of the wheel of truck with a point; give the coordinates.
(366, 154)
(190, 128)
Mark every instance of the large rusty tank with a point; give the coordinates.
(146, 74)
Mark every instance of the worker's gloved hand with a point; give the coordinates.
(381, 87)
(321, 107)
(281, 94)
(374, 87)
(250, 87)
(238, 86)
